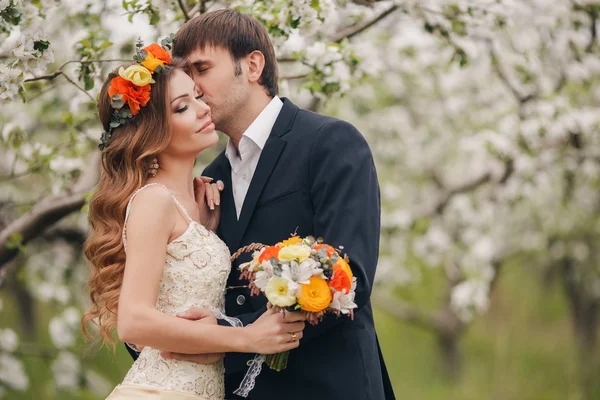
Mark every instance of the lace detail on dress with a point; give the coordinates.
(195, 273)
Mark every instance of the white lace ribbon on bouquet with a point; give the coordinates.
(256, 364)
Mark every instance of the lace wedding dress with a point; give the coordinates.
(195, 273)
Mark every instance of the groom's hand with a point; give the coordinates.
(198, 314)
(203, 316)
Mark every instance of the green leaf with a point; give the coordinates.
(459, 27)
(316, 5)
(89, 82)
(67, 118)
(85, 43)
(22, 94)
(105, 45)
(41, 45)
(420, 226)
(116, 103)
(154, 18)
(15, 241)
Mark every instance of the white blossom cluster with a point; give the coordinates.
(24, 44)
(520, 115)
(12, 372)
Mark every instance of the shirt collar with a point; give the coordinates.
(260, 129)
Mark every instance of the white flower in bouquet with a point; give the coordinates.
(344, 302)
(298, 273)
(278, 292)
(264, 274)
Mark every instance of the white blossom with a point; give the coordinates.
(63, 165)
(63, 328)
(12, 372)
(66, 370)
(470, 297)
(8, 340)
(10, 82)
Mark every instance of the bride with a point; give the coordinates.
(151, 256)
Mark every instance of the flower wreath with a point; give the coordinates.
(130, 90)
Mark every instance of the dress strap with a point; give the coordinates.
(179, 205)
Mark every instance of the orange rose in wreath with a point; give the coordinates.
(134, 96)
(157, 52)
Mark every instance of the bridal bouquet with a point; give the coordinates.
(300, 274)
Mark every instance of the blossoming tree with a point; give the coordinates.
(482, 115)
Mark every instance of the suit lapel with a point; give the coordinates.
(266, 163)
(228, 222)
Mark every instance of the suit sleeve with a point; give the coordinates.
(345, 195)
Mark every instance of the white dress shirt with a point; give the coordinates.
(243, 163)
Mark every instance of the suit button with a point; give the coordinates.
(240, 300)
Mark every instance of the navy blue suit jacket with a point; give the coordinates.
(315, 176)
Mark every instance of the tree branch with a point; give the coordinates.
(70, 235)
(67, 77)
(199, 8)
(48, 211)
(521, 98)
(33, 350)
(48, 77)
(202, 4)
(286, 59)
(462, 188)
(183, 8)
(60, 71)
(17, 175)
(295, 76)
(593, 31)
(355, 30)
(349, 32)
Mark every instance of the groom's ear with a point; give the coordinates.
(256, 64)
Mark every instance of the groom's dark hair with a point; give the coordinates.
(229, 29)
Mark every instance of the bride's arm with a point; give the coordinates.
(150, 225)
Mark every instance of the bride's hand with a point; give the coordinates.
(208, 198)
(274, 333)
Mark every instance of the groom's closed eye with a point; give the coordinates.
(201, 66)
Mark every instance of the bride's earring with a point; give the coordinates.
(153, 167)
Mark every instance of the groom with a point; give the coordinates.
(288, 170)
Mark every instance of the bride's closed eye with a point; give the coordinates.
(184, 108)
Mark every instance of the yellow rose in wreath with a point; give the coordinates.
(138, 75)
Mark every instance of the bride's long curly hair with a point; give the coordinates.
(125, 164)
